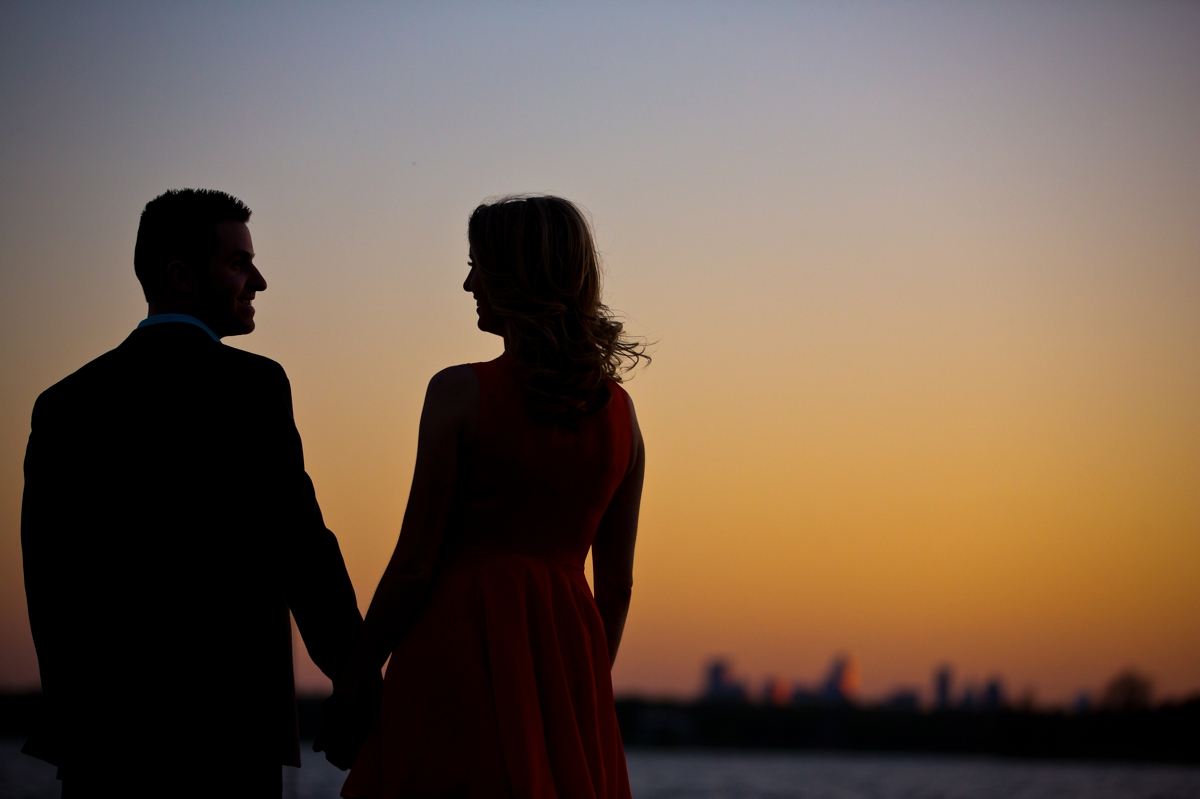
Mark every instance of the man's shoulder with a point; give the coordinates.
(83, 380)
(256, 379)
(251, 363)
(104, 375)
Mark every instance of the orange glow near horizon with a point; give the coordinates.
(922, 287)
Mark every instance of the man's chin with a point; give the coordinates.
(238, 326)
(245, 319)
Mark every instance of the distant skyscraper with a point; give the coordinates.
(943, 685)
(841, 684)
(994, 696)
(719, 684)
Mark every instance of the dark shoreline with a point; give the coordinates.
(1166, 734)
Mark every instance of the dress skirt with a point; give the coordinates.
(501, 688)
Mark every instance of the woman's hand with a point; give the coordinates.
(347, 718)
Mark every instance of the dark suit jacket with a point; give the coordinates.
(167, 527)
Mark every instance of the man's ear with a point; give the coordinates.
(181, 278)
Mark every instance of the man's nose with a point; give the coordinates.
(257, 281)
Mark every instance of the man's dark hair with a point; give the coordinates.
(180, 225)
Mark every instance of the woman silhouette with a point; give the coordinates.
(499, 682)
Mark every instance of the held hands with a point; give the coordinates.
(347, 718)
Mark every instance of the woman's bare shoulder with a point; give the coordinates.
(452, 401)
(453, 381)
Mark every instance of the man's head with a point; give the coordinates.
(194, 256)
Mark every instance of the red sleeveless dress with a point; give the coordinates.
(502, 685)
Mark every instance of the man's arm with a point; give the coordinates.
(46, 583)
(317, 588)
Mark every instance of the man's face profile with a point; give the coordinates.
(224, 292)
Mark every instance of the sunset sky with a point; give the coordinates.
(923, 282)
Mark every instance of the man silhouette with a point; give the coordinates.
(167, 527)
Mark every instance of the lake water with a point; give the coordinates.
(738, 775)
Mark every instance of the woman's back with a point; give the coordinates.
(530, 486)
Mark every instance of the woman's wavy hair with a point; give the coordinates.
(541, 275)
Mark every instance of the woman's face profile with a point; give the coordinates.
(489, 322)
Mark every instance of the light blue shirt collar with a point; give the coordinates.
(160, 318)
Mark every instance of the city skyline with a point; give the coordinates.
(722, 682)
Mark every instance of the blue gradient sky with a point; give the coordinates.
(923, 279)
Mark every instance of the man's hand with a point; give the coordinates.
(347, 718)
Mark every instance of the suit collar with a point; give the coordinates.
(171, 335)
(177, 318)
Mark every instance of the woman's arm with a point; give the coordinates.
(449, 421)
(612, 550)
